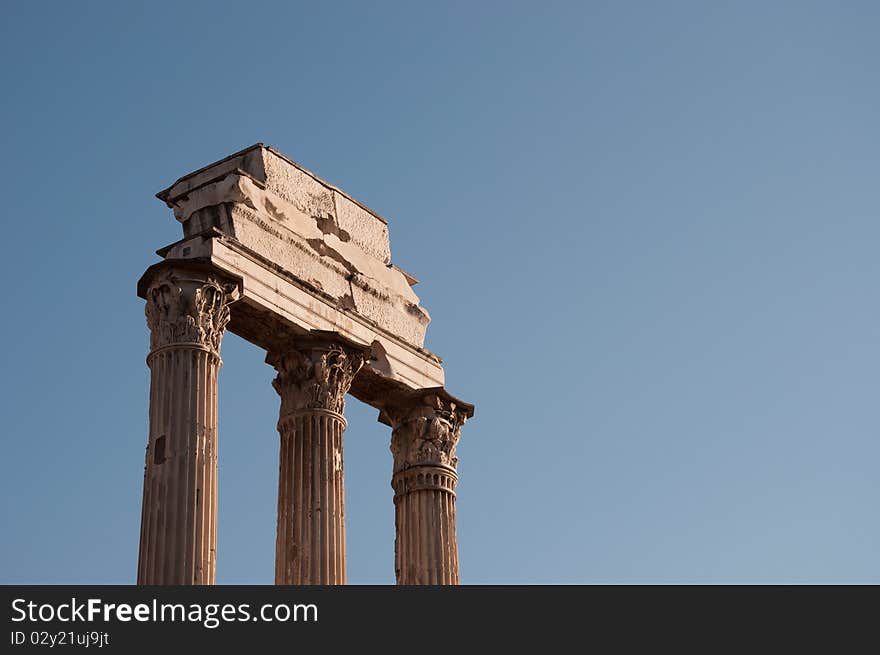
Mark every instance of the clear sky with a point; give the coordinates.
(647, 233)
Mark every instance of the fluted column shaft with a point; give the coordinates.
(425, 546)
(187, 312)
(423, 443)
(313, 378)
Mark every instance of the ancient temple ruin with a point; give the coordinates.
(299, 268)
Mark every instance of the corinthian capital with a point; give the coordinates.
(426, 429)
(315, 375)
(188, 306)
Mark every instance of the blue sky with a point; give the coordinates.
(646, 233)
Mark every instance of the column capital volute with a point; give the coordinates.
(404, 405)
(187, 304)
(315, 371)
(426, 426)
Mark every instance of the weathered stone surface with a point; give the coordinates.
(300, 253)
(307, 193)
(282, 302)
(190, 308)
(290, 181)
(314, 374)
(299, 268)
(187, 310)
(370, 235)
(426, 429)
(305, 226)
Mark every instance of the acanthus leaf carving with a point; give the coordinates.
(182, 308)
(315, 376)
(426, 433)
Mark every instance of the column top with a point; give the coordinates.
(187, 306)
(318, 339)
(434, 398)
(201, 267)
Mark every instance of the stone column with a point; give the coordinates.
(426, 430)
(187, 311)
(313, 377)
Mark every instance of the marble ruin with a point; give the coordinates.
(299, 268)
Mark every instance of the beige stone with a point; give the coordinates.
(304, 226)
(187, 311)
(314, 374)
(299, 268)
(369, 234)
(426, 429)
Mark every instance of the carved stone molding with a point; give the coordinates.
(426, 431)
(188, 307)
(315, 375)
